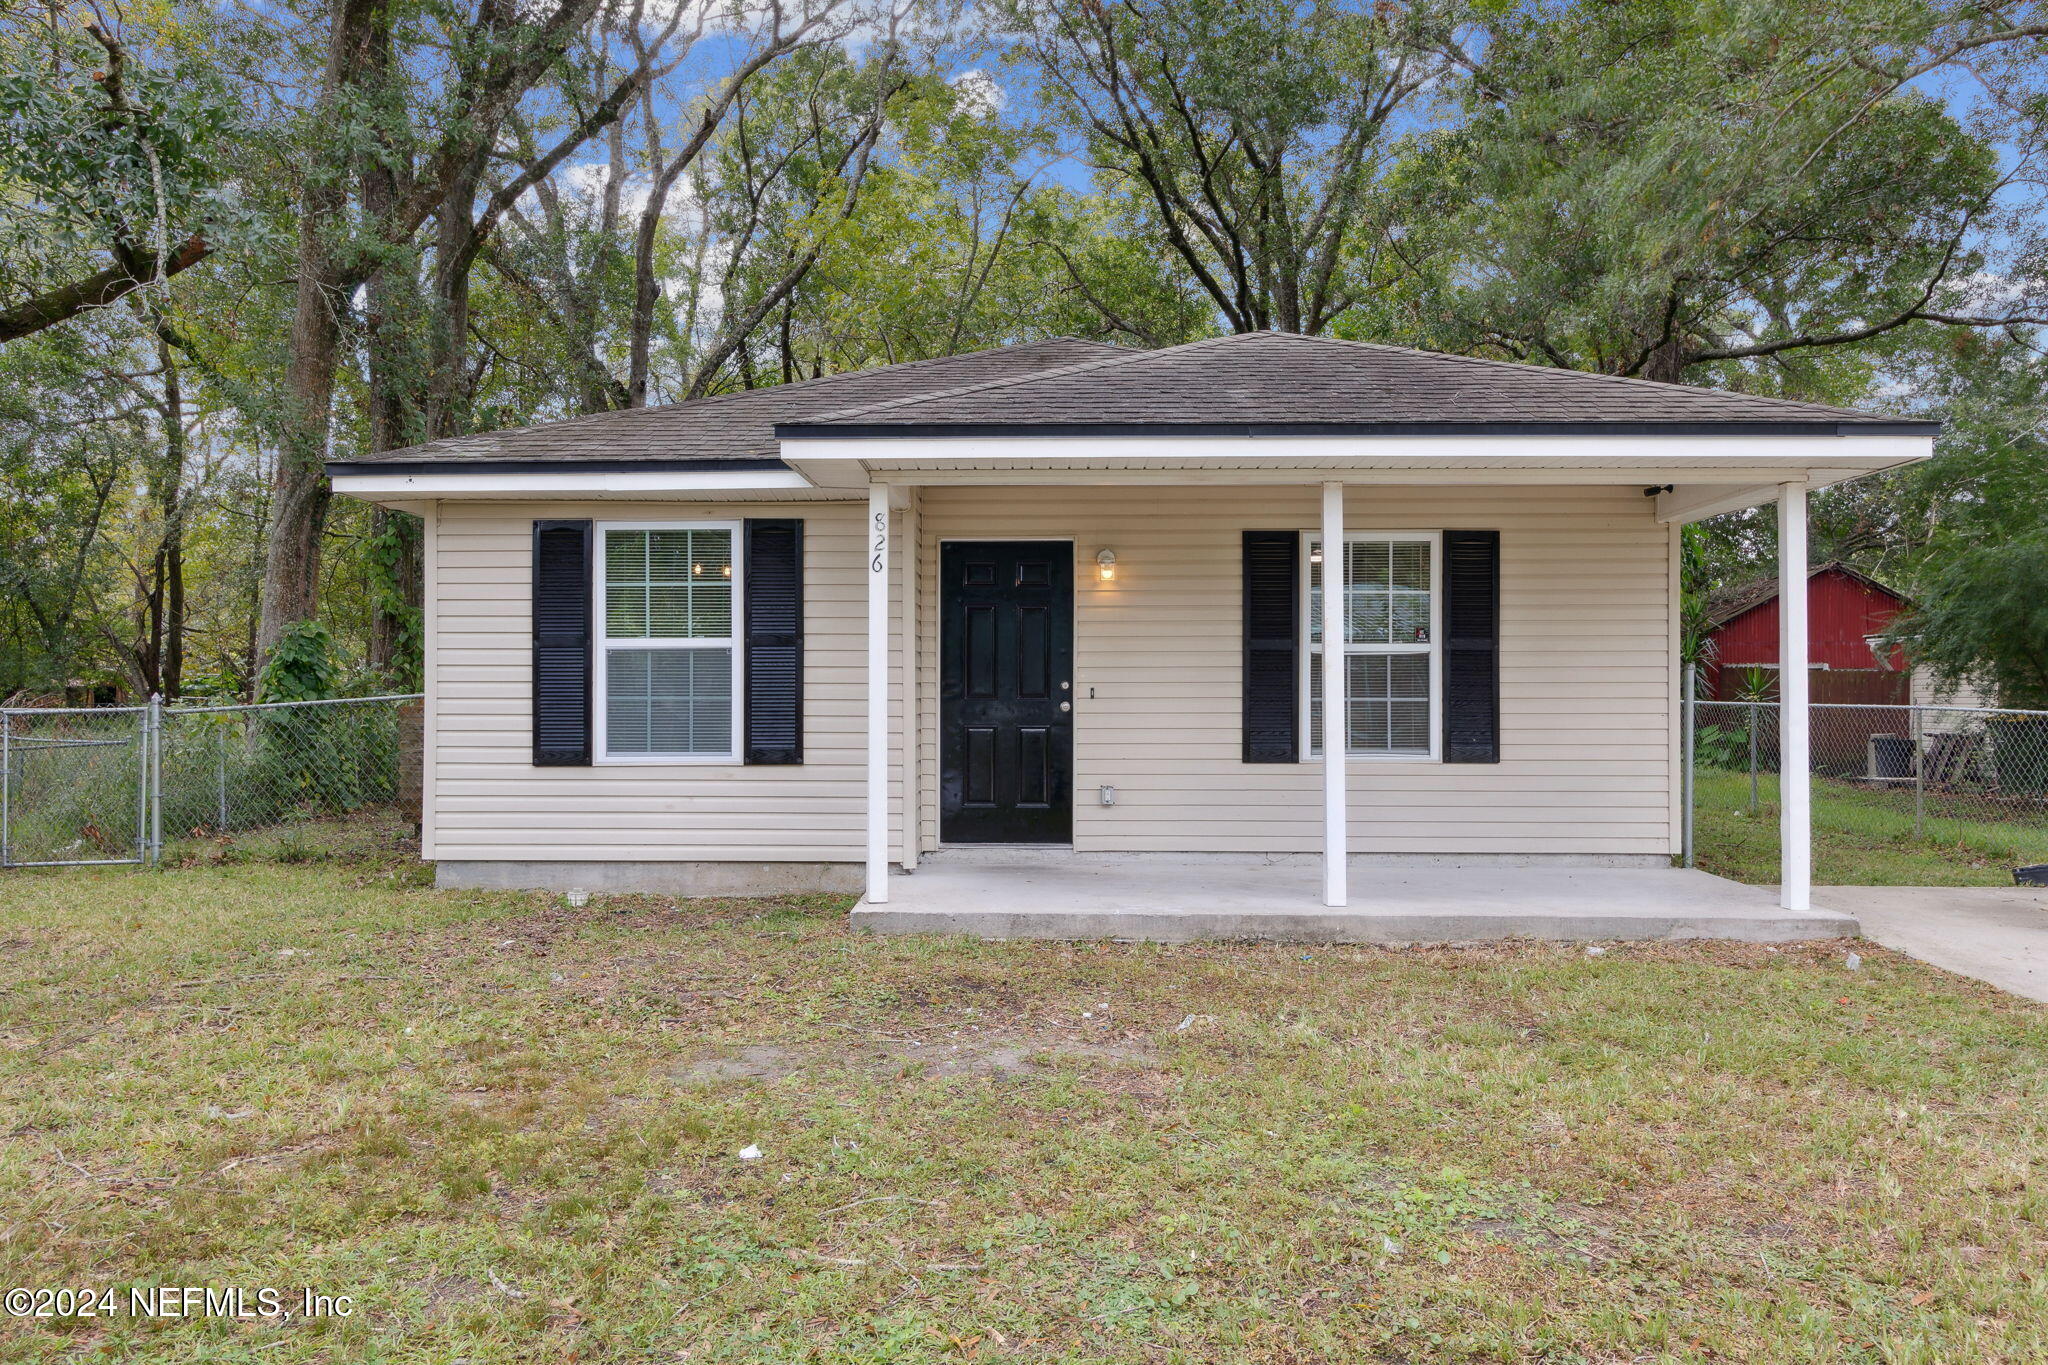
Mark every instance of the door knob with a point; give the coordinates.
(1066, 706)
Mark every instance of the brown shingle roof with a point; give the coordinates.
(1260, 381)
(1726, 603)
(1282, 380)
(730, 426)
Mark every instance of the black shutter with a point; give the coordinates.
(774, 592)
(1472, 647)
(561, 644)
(1272, 643)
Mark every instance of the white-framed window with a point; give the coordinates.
(1392, 617)
(668, 686)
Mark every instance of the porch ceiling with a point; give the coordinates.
(828, 460)
(1692, 470)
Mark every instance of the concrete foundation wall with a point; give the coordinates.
(667, 879)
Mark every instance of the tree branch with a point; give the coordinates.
(96, 291)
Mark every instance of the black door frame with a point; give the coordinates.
(940, 603)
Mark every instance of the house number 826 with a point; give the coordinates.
(881, 541)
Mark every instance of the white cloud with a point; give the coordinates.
(981, 95)
(1992, 290)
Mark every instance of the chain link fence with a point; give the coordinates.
(106, 785)
(1901, 794)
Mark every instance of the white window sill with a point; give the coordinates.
(1380, 758)
(665, 761)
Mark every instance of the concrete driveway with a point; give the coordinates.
(1998, 934)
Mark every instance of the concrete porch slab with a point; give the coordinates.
(1180, 899)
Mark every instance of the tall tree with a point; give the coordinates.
(790, 176)
(784, 30)
(498, 56)
(1252, 134)
(1650, 188)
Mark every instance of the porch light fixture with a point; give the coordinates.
(1105, 566)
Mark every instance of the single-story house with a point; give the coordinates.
(1063, 602)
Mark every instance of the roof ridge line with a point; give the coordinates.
(1764, 403)
(1627, 379)
(981, 386)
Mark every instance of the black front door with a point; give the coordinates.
(1006, 669)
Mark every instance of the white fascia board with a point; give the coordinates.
(385, 488)
(848, 462)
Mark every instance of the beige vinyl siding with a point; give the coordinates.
(1586, 681)
(1586, 673)
(490, 802)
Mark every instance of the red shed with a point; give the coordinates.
(1845, 611)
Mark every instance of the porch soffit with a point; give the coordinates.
(1727, 461)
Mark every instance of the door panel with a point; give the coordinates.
(1006, 664)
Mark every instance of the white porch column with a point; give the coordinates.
(1795, 812)
(878, 693)
(907, 582)
(1336, 713)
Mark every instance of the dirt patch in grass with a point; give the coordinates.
(1002, 1058)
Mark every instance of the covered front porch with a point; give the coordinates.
(1179, 898)
(1566, 830)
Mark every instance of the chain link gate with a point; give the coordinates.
(101, 785)
(74, 786)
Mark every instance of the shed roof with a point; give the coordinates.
(1724, 604)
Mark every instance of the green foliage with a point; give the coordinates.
(1982, 615)
(98, 153)
(1749, 684)
(301, 666)
(1720, 746)
(1244, 140)
(392, 553)
(1695, 581)
(1651, 187)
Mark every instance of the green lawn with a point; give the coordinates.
(1861, 836)
(511, 1131)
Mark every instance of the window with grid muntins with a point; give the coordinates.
(1389, 614)
(670, 648)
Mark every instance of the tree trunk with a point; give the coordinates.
(174, 617)
(299, 489)
(171, 654)
(1666, 362)
(399, 592)
(646, 290)
(447, 377)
